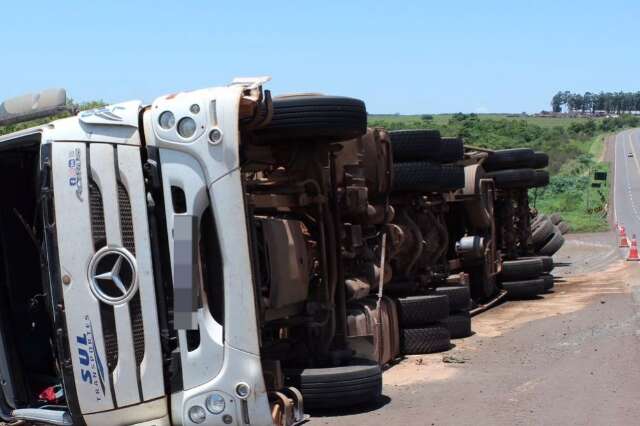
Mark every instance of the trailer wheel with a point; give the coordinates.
(555, 218)
(538, 219)
(540, 160)
(459, 325)
(547, 262)
(541, 179)
(420, 310)
(415, 145)
(451, 150)
(459, 297)
(548, 281)
(314, 117)
(509, 159)
(553, 244)
(425, 340)
(541, 232)
(513, 178)
(564, 227)
(426, 177)
(338, 386)
(522, 269)
(527, 289)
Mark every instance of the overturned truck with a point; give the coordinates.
(225, 257)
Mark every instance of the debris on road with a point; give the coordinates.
(454, 359)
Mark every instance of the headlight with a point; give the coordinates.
(215, 403)
(186, 127)
(243, 390)
(215, 136)
(197, 414)
(167, 120)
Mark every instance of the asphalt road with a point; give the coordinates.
(572, 357)
(627, 181)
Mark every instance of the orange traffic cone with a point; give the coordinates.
(633, 251)
(623, 238)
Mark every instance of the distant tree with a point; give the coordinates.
(611, 102)
(587, 104)
(556, 102)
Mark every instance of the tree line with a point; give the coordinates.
(609, 102)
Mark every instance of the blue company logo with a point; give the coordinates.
(91, 366)
(75, 171)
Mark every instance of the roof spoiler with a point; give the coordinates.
(32, 106)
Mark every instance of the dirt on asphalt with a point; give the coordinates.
(571, 357)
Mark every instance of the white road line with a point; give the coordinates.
(631, 199)
(633, 151)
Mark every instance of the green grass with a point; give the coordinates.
(581, 205)
(442, 119)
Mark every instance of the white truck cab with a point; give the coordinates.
(118, 216)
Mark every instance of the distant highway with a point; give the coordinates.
(626, 196)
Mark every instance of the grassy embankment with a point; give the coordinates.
(575, 147)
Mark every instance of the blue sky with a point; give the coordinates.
(406, 57)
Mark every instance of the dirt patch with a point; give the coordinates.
(569, 296)
(421, 368)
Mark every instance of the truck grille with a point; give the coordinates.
(128, 241)
(97, 216)
(103, 209)
(99, 235)
(126, 221)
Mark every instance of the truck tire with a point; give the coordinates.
(513, 178)
(527, 289)
(552, 245)
(416, 311)
(459, 297)
(459, 325)
(338, 386)
(540, 160)
(451, 150)
(547, 262)
(556, 218)
(548, 281)
(539, 218)
(415, 145)
(425, 340)
(541, 179)
(564, 227)
(514, 158)
(521, 269)
(541, 232)
(314, 117)
(426, 177)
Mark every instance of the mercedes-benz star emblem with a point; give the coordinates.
(113, 278)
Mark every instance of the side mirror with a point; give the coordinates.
(33, 106)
